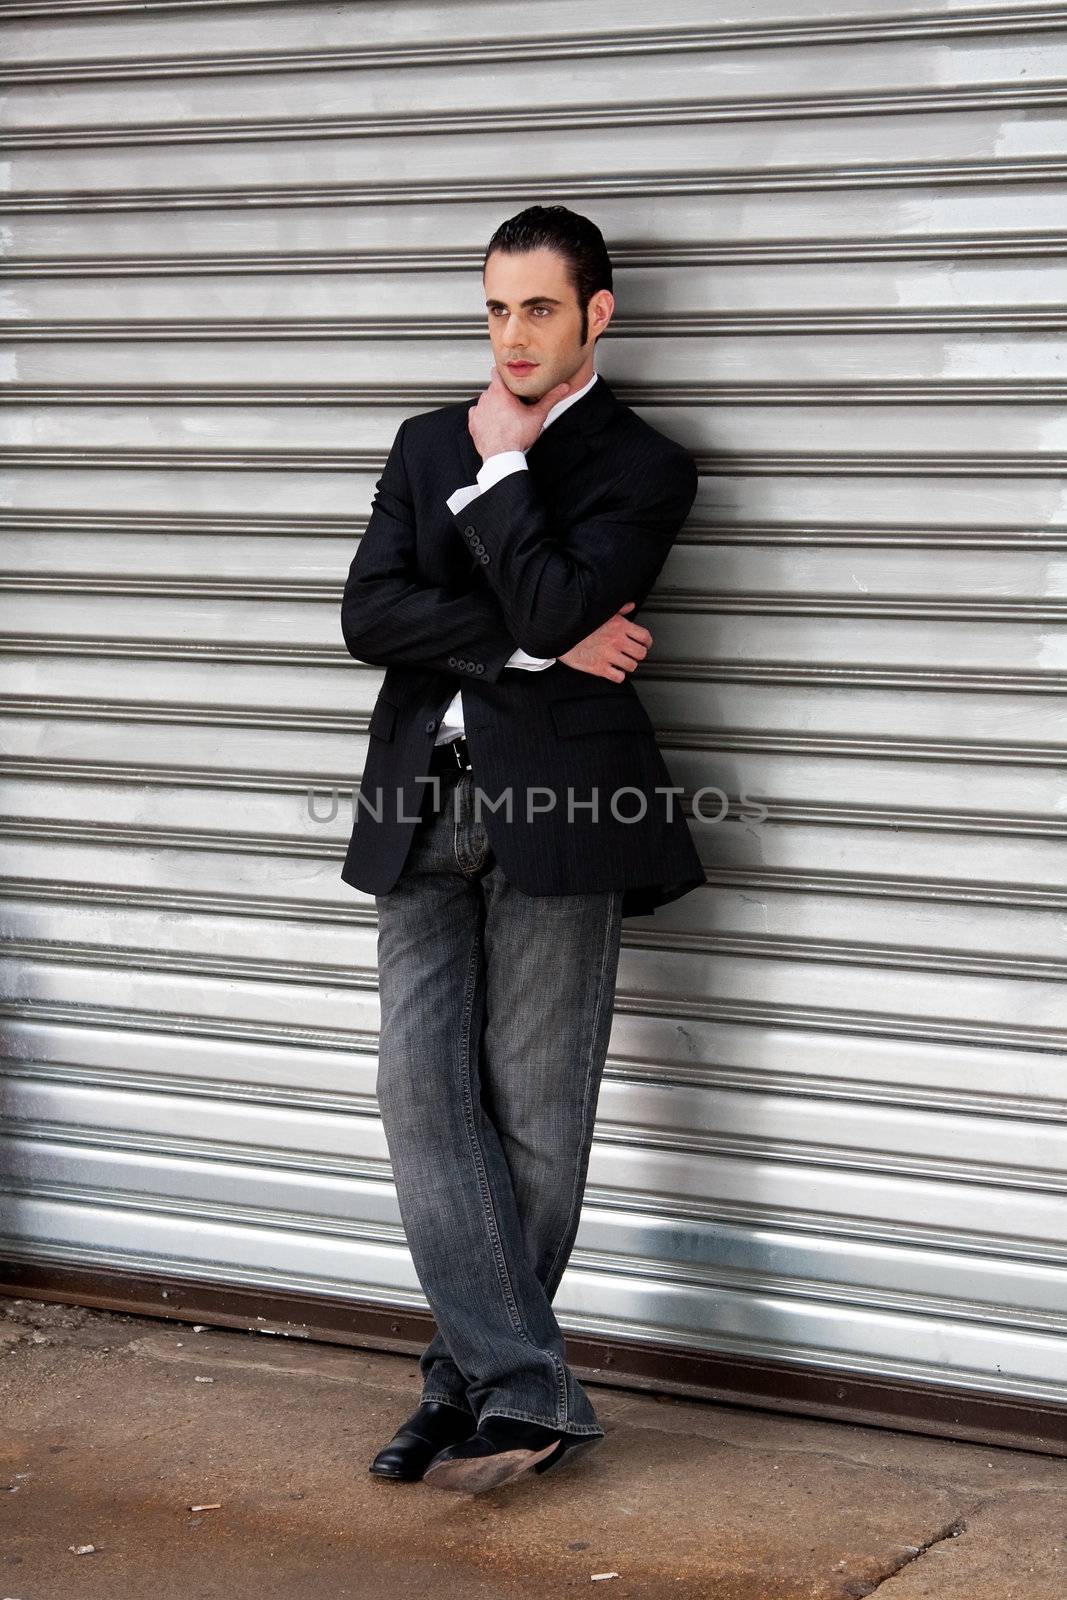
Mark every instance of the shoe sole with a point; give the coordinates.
(575, 1452)
(480, 1473)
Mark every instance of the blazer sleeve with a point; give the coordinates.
(558, 580)
(390, 617)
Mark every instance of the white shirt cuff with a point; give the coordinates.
(519, 658)
(492, 469)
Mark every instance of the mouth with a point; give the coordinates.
(521, 367)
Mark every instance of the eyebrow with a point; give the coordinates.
(534, 300)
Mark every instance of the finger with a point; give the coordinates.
(631, 647)
(629, 604)
(637, 634)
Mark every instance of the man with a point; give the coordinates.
(514, 807)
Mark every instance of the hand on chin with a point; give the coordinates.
(502, 421)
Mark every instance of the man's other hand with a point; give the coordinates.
(613, 649)
(500, 421)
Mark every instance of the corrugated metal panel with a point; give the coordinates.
(242, 241)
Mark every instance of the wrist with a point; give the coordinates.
(501, 447)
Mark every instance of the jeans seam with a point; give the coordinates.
(472, 1137)
(443, 1400)
(455, 825)
(528, 1416)
(575, 1196)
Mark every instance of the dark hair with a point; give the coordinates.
(579, 241)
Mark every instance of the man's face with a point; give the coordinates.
(534, 319)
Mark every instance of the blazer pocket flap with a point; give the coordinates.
(599, 714)
(383, 720)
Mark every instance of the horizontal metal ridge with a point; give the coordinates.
(661, 256)
(719, 1213)
(181, 650)
(438, 122)
(130, 1020)
(682, 1272)
(686, 601)
(867, 464)
(42, 1130)
(718, 324)
(809, 464)
(946, 680)
(754, 947)
(808, 535)
(771, 392)
(1026, 1412)
(989, 752)
(762, 1014)
(927, 680)
(774, 880)
(188, 902)
(715, 1076)
(781, 810)
(932, 680)
(578, 187)
(664, 600)
(800, 1152)
(798, 32)
(720, 1075)
(865, 536)
(967, 892)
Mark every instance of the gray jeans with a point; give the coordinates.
(496, 1009)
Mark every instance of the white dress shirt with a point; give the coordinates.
(494, 468)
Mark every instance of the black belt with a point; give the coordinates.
(454, 756)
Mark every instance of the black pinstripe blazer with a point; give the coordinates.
(537, 561)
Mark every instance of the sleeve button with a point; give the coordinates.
(479, 668)
(484, 559)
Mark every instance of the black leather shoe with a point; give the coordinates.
(498, 1451)
(416, 1442)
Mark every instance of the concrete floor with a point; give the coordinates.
(111, 1431)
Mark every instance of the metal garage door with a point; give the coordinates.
(242, 242)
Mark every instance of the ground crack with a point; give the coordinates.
(860, 1587)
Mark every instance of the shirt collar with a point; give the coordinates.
(568, 400)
